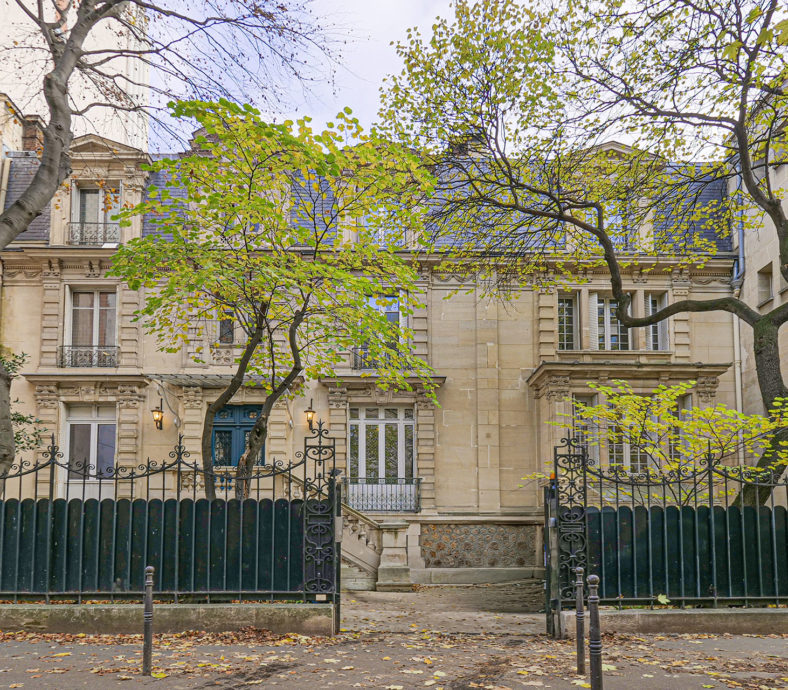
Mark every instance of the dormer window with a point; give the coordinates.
(92, 209)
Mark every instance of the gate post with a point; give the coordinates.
(570, 465)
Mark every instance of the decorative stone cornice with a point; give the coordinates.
(366, 389)
(555, 380)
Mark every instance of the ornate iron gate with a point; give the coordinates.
(72, 531)
(710, 535)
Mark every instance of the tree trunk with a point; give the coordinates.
(766, 348)
(206, 442)
(7, 447)
(257, 438)
(206, 448)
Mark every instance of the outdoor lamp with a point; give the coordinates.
(158, 414)
(310, 415)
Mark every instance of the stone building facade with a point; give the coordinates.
(457, 508)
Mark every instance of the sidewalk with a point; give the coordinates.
(435, 638)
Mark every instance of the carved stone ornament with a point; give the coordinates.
(337, 398)
(192, 398)
(51, 269)
(46, 396)
(707, 387)
(129, 396)
(555, 388)
(222, 355)
(92, 270)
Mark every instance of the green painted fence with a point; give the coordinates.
(689, 553)
(86, 548)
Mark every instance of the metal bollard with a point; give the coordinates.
(594, 633)
(147, 625)
(579, 626)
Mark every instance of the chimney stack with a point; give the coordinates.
(32, 133)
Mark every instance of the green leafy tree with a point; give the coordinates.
(514, 108)
(27, 429)
(664, 439)
(294, 238)
(664, 436)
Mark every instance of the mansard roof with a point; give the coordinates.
(24, 165)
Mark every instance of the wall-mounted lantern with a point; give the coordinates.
(158, 414)
(310, 415)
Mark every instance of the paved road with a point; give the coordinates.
(440, 638)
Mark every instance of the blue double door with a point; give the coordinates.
(231, 427)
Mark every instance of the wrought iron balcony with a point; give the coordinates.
(361, 358)
(383, 495)
(88, 356)
(93, 234)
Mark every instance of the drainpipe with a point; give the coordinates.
(737, 374)
(5, 169)
(736, 283)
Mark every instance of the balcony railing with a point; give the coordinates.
(93, 234)
(361, 358)
(383, 495)
(88, 356)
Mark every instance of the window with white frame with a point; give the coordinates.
(382, 443)
(93, 207)
(93, 318)
(606, 331)
(675, 446)
(568, 326)
(765, 284)
(91, 431)
(389, 306)
(657, 333)
(91, 326)
(629, 448)
(617, 218)
(625, 451)
(226, 327)
(584, 430)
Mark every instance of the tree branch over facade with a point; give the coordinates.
(293, 239)
(132, 58)
(518, 111)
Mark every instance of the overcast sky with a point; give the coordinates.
(370, 26)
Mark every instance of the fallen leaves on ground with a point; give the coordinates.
(432, 659)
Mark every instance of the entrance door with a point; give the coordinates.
(382, 459)
(231, 427)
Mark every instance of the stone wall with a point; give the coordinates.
(478, 545)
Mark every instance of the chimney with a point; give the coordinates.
(32, 133)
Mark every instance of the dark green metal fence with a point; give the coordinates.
(71, 531)
(689, 554)
(710, 535)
